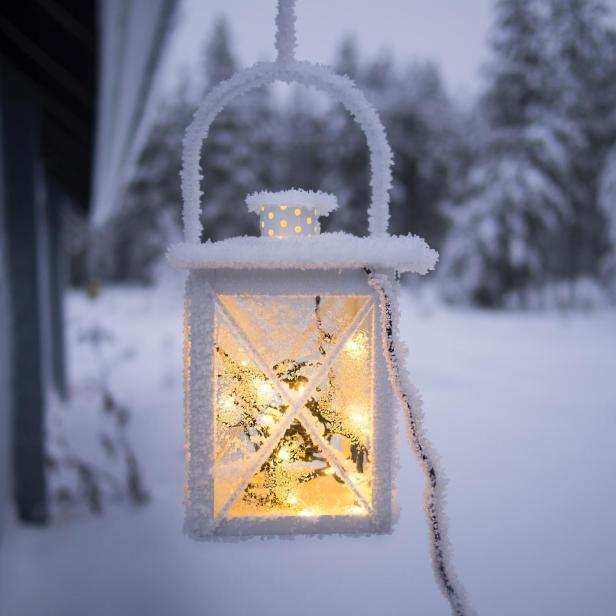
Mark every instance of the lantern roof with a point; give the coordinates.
(409, 253)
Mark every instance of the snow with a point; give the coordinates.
(323, 203)
(338, 250)
(520, 407)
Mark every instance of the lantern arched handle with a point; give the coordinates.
(339, 87)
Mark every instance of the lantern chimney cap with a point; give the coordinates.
(323, 203)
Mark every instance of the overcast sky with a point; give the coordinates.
(453, 33)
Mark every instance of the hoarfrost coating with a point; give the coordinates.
(327, 251)
(323, 203)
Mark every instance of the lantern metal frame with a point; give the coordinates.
(203, 288)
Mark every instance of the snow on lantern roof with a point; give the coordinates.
(323, 203)
(409, 253)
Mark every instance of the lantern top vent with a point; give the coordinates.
(323, 203)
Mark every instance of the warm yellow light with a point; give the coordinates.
(283, 207)
(298, 229)
(228, 402)
(266, 420)
(264, 391)
(271, 215)
(309, 220)
(298, 212)
(357, 346)
(358, 415)
(299, 475)
(271, 232)
(262, 224)
(292, 499)
(283, 224)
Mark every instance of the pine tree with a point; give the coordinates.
(583, 52)
(225, 158)
(514, 204)
(607, 204)
(345, 154)
(430, 151)
(219, 61)
(299, 142)
(135, 240)
(237, 156)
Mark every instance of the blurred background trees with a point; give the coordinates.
(517, 190)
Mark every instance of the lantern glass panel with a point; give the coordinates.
(294, 405)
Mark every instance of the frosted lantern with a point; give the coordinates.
(289, 404)
(294, 375)
(294, 386)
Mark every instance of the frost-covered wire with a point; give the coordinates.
(410, 400)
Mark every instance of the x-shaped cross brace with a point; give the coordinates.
(295, 405)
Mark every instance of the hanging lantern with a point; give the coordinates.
(289, 404)
(292, 365)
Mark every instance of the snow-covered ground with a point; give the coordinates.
(521, 407)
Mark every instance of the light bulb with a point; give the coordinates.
(359, 416)
(263, 387)
(265, 420)
(291, 499)
(227, 402)
(356, 347)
